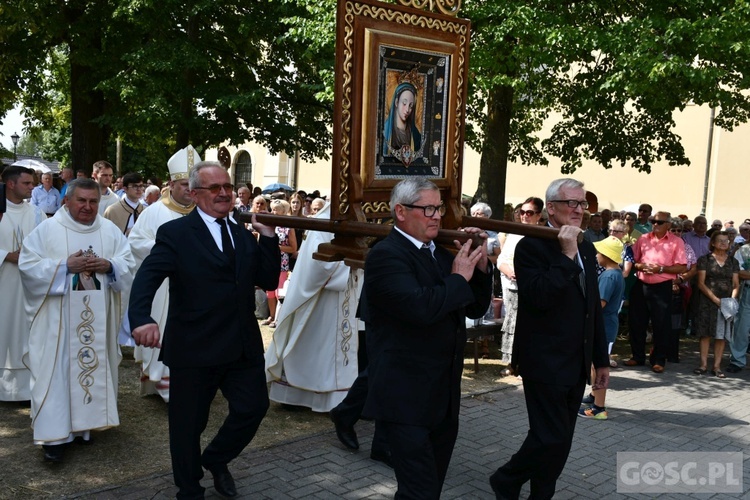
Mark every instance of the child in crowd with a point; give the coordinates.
(611, 288)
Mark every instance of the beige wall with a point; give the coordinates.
(676, 189)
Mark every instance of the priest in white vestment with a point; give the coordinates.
(312, 358)
(73, 268)
(174, 204)
(18, 221)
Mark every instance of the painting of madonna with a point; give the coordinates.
(400, 128)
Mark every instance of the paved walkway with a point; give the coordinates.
(675, 411)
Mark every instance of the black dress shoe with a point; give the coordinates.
(224, 484)
(53, 453)
(503, 490)
(345, 433)
(733, 368)
(382, 456)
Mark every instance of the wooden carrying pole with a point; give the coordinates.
(362, 230)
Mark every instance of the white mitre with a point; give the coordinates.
(182, 162)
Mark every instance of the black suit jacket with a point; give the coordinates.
(416, 331)
(211, 317)
(559, 328)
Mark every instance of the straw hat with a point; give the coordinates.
(610, 247)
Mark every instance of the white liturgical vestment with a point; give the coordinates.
(72, 352)
(312, 358)
(18, 221)
(155, 374)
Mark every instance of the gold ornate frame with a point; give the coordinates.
(364, 26)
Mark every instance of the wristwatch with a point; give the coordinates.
(661, 269)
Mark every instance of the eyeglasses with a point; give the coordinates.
(573, 203)
(528, 213)
(675, 230)
(616, 231)
(722, 241)
(429, 210)
(660, 222)
(216, 188)
(136, 186)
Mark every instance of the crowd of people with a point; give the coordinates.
(103, 262)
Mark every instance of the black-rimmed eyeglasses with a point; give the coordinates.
(216, 188)
(573, 203)
(429, 210)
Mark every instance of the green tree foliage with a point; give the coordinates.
(164, 73)
(613, 72)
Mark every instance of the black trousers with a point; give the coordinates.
(191, 391)
(420, 457)
(654, 303)
(552, 411)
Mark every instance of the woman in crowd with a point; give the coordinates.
(296, 203)
(287, 246)
(718, 278)
(530, 212)
(259, 205)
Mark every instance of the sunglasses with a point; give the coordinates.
(528, 213)
(676, 230)
(660, 222)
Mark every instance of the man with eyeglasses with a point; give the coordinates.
(559, 334)
(415, 299)
(642, 224)
(211, 339)
(125, 213)
(175, 204)
(659, 259)
(104, 177)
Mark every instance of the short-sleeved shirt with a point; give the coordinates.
(611, 290)
(668, 250)
(699, 244)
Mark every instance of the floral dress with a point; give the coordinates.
(719, 281)
(283, 234)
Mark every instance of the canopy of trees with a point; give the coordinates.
(160, 74)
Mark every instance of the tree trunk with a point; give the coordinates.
(88, 138)
(187, 108)
(493, 166)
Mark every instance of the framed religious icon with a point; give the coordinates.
(400, 103)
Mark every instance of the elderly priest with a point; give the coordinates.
(73, 267)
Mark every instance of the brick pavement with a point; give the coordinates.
(675, 411)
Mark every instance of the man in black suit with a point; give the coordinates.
(417, 296)
(211, 338)
(559, 333)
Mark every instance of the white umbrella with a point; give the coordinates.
(32, 164)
